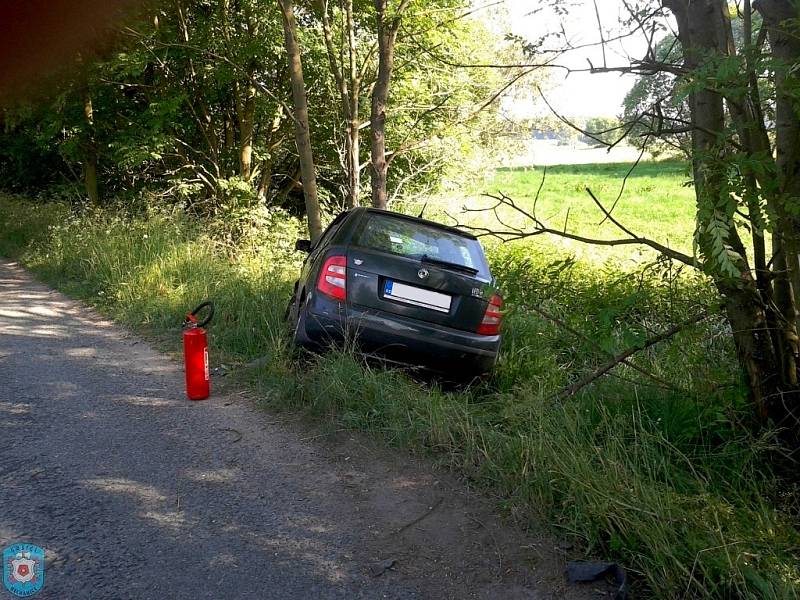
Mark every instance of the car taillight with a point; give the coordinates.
(333, 277)
(492, 317)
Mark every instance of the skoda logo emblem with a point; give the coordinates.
(422, 273)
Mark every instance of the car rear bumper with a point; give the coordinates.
(399, 338)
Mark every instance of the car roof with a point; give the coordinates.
(434, 224)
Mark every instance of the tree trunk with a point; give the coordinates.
(288, 185)
(349, 88)
(387, 35)
(704, 31)
(786, 49)
(784, 324)
(780, 19)
(301, 123)
(90, 152)
(353, 129)
(230, 133)
(775, 288)
(247, 105)
(246, 126)
(353, 156)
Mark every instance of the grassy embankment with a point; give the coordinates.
(663, 478)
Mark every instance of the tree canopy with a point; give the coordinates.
(192, 101)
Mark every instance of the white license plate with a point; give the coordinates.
(417, 296)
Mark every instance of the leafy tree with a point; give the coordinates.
(746, 175)
(735, 173)
(434, 98)
(745, 170)
(602, 131)
(192, 102)
(654, 101)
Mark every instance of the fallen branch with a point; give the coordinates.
(420, 518)
(623, 356)
(597, 346)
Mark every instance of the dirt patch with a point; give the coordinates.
(439, 532)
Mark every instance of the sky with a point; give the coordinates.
(578, 94)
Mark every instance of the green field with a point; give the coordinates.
(653, 470)
(655, 203)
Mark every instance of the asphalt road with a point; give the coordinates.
(137, 493)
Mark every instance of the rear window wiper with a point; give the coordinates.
(449, 265)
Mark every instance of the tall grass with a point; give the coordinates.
(664, 478)
(146, 270)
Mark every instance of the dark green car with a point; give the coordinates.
(409, 289)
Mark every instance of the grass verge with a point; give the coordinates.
(663, 478)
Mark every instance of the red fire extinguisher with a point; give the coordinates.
(195, 353)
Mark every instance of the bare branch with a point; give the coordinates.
(625, 179)
(600, 30)
(540, 228)
(626, 354)
(565, 326)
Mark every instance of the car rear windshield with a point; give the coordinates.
(407, 238)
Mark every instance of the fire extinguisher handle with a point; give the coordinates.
(207, 320)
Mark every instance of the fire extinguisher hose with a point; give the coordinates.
(191, 318)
